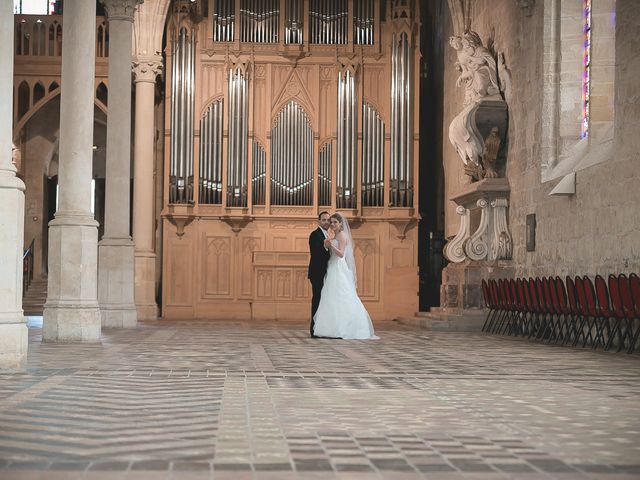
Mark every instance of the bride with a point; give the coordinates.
(340, 313)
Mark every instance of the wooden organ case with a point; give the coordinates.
(277, 110)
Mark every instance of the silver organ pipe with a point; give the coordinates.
(293, 21)
(259, 20)
(401, 123)
(224, 20)
(372, 157)
(182, 105)
(258, 181)
(237, 146)
(210, 182)
(328, 21)
(324, 175)
(292, 157)
(363, 19)
(347, 141)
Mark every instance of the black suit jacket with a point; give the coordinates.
(319, 255)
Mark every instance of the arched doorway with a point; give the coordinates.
(38, 141)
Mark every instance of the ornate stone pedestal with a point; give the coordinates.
(481, 248)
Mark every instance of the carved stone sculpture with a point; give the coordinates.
(491, 147)
(484, 111)
(477, 67)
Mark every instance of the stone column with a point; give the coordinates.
(13, 329)
(115, 252)
(145, 69)
(71, 312)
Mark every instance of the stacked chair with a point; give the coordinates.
(576, 312)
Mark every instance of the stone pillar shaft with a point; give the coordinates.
(71, 312)
(118, 166)
(116, 252)
(145, 70)
(13, 330)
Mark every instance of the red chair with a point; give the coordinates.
(504, 303)
(564, 309)
(550, 311)
(634, 283)
(618, 312)
(513, 307)
(583, 313)
(535, 307)
(593, 313)
(542, 306)
(488, 303)
(530, 310)
(574, 307)
(629, 309)
(604, 309)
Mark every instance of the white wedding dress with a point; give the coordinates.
(341, 314)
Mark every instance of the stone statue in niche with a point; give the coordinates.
(477, 67)
(491, 148)
(484, 117)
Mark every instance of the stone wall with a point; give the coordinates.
(597, 230)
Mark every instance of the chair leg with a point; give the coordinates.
(613, 333)
(634, 338)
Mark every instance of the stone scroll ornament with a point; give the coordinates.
(479, 130)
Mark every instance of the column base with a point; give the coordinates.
(145, 274)
(71, 324)
(71, 313)
(14, 340)
(115, 283)
(118, 316)
(148, 312)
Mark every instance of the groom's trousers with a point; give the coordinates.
(316, 289)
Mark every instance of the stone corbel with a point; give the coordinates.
(502, 242)
(180, 222)
(476, 246)
(236, 223)
(454, 250)
(402, 226)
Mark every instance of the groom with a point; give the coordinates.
(318, 263)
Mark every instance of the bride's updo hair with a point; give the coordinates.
(338, 217)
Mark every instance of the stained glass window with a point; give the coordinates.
(586, 68)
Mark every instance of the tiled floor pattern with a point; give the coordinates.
(234, 400)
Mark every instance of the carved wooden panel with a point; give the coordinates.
(283, 284)
(217, 263)
(248, 246)
(301, 287)
(264, 284)
(402, 256)
(301, 243)
(282, 243)
(179, 271)
(367, 261)
(212, 81)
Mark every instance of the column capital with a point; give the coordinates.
(147, 68)
(120, 9)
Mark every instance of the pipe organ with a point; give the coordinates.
(237, 147)
(292, 158)
(347, 130)
(401, 128)
(210, 172)
(291, 107)
(182, 104)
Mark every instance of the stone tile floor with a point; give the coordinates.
(240, 400)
